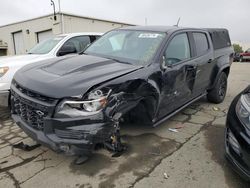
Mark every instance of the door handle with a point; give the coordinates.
(210, 61)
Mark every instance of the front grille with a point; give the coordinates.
(33, 94)
(31, 115)
(31, 111)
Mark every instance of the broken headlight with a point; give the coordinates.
(243, 109)
(91, 105)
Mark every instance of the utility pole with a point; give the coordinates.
(61, 16)
(54, 8)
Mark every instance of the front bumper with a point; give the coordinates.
(72, 137)
(4, 98)
(239, 156)
(34, 114)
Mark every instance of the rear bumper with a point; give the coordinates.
(4, 98)
(72, 137)
(239, 156)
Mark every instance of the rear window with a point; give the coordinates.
(220, 38)
(201, 43)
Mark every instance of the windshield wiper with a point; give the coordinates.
(82, 53)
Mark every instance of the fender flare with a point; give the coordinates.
(221, 69)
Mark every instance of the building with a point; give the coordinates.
(3, 48)
(18, 38)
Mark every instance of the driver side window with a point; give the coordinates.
(178, 49)
(79, 43)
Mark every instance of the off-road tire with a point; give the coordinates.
(218, 93)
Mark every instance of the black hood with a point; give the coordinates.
(70, 76)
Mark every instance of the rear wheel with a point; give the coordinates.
(218, 93)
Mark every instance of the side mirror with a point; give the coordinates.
(67, 49)
(164, 64)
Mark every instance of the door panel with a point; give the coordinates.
(178, 79)
(204, 60)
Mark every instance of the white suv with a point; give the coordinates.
(58, 46)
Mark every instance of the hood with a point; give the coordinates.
(70, 76)
(20, 59)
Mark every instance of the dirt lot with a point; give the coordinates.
(193, 157)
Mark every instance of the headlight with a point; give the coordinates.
(243, 109)
(3, 70)
(93, 104)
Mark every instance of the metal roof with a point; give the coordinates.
(67, 14)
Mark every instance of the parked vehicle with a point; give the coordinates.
(138, 73)
(58, 46)
(245, 56)
(237, 134)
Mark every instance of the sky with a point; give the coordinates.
(231, 14)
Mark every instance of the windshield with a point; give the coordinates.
(46, 46)
(135, 47)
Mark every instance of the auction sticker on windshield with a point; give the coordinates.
(149, 35)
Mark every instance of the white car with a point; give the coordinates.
(58, 46)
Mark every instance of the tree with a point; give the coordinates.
(237, 48)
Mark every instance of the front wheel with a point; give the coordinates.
(218, 93)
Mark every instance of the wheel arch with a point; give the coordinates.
(150, 100)
(226, 69)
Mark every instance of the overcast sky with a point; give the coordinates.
(231, 14)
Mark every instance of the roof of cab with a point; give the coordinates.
(80, 34)
(154, 28)
(167, 29)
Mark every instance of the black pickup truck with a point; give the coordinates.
(150, 73)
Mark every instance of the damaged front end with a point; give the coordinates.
(74, 125)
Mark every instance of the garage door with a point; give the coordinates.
(18, 42)
(43, 35)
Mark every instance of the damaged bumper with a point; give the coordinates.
(35, 115)
(72, 137)
(67, 128)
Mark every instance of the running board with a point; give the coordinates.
(178, 110)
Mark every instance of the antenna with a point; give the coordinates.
(146, 21)
(177, 25)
